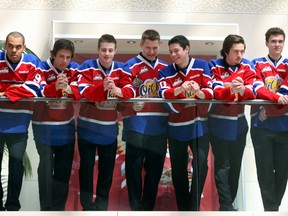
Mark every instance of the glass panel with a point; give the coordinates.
(207, 136)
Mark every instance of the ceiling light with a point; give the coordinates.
(78, 41)
(131, 42)
(209, 43)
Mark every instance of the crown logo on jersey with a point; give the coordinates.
(4, 70)
(51, 77)
(143, 70)
(225, 75)
(98, 77)
(266, 69)
(177, 82)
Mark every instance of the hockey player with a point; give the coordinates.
(100, 79)
(145, 132)
(233, 77)
(269, 125)
(19, 78)
(53, 126)
(187, 78)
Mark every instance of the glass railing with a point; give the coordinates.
(213, 118)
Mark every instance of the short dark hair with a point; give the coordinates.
(150, 34)
(15, 34)
(274, 31)
(107, 38)
(63, 44)
(229, 41)
(181, 40)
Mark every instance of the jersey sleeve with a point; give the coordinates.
(220, 91)
(166, 91)
(126, 85)
(89, 90)
(206, 82)
(249, 78)
(30, 87)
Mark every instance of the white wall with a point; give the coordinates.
(253, 17)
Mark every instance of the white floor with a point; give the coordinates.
(130, 213)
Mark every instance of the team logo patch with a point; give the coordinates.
(273, 83)
(149, 88)
(189, 94)
(137, 82)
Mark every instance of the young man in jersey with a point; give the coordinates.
(233, 77)
(53, 126)
(19, 78)
(100, 79)
(145, 132)
(269, 123)
(187, 78)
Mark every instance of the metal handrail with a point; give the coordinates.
(152, 100)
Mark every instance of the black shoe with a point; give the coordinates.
(227, 208)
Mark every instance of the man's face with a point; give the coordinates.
(235, 54)
(275, 44)
(62, 59)
(106, 53)
(179, 55)
(15, 47)
(150, 49)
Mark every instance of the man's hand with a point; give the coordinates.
(61, 82)
(283, 99)
(237, 86)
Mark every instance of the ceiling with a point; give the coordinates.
(125, 46)
(205, 38)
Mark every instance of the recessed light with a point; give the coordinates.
(131, 42)
(78, 41)
(209, 43)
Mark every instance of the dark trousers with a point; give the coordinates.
(271, 155)
(146, 152)
(54, 170)
(188, 198)
(16, 144)
(106, 162)
(227, 165)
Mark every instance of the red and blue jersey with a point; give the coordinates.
(271, 82)
(152, 119)
(53, 122)
(18, 81)
(98, 119)
(227, 121)
(186, 121)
